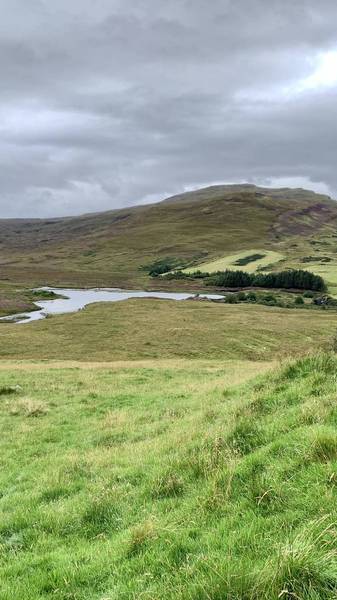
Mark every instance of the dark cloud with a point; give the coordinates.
(107, 103)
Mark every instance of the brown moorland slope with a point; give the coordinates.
(110, 248)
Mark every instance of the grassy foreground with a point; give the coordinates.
(167, 482)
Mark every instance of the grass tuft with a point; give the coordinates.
(28, 407)
(102, 515)
(304, 567)
(168, 486)
(246, 436)
(324, 446)
(141, 535)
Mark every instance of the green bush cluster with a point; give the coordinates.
(160, 266)
(164, 265)
(251, 297)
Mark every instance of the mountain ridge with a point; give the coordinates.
(285, 192)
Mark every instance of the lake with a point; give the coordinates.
(75, 300)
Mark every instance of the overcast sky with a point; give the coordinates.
(107, 103)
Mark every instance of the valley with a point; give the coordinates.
(153, 448)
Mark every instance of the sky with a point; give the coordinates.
(110, 103)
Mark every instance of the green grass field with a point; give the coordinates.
(270, 258)
(172, 482)
(322, 262)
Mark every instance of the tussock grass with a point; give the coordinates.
(140, 536)
(205, 491)
(28, 408)
(168, 485)
(143, 329)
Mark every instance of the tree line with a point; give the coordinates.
(289, 279)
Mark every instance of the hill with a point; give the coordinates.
(169, 482)
(196, 227)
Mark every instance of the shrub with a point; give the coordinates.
(324, 301)
(251, 297)
(159, 268)
(44, 295)
(7, 390)
(163, 265)
(299, 300)
(269, 299)
(231, 299)
(198, 274)
(248, 259)
(332, 301)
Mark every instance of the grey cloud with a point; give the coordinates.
(111, 103)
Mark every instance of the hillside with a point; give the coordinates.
(110, 248)
(169, 482)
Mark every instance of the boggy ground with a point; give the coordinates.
(139, 329)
